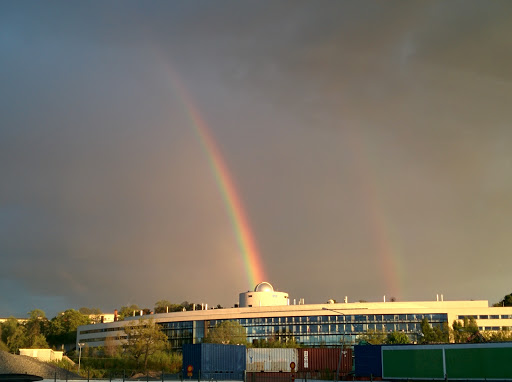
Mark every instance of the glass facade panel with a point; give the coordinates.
(329, 330)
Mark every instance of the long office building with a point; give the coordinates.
(266, 313)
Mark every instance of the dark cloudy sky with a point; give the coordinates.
(370, 143)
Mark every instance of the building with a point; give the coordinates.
(43, 355)
(328, 324)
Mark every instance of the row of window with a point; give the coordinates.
(369, 318)
(487, 316)
(115, 329)
(333, 328)
(339, 318)
(99, 339)
(495, 328)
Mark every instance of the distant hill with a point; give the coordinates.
(10, 363)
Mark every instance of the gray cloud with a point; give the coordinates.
(369, 141)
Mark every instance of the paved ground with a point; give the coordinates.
(10, 363)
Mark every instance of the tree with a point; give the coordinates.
(374, 337)
(36, 313)
(127, 311)
(63, 327)
(275, 343)
(162, 306)
(90, 311)
(187, 305)
(463, 331)
(227, 332)
(397, 338)
(37, 326)
(506, 301)
(17, 340)
(499, 335)
(111, 349)
(8, 328)
(143, 340)
(442, 333)
(434, 334)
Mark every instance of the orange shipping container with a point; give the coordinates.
(325, 359)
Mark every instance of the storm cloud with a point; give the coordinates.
(370, 143)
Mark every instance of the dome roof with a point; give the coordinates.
(264, 287)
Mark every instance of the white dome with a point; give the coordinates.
(264, 287)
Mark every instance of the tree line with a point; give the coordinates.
(40, 332)
(146, 346)
(461, 331)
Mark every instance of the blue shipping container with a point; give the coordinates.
(214, 361)
(368, 361)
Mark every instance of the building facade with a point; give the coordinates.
(329, 324)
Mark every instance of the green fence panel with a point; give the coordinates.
(412, 363)
(484, 362)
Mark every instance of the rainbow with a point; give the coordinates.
(242, 229)
(387, 248)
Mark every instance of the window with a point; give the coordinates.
(484, 317)
(505, 316)
(494, 316)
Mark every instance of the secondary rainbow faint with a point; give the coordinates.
(387, 248)
(235, 209)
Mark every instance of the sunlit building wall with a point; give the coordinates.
(329, 324)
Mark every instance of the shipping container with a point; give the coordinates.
(214, 361)
(321, 360)
(367, 359)
(451, 361)
(271, 377)
(270, 359)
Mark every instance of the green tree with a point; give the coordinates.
(37, 326)
(434, 334)
(17, 340)
(374, 337)
(89, 311)
(397, 338)
(128, 311)
(144, 339)
(499, 335)
(427, 331)
(227, 332)
(463, 331)
(36, 314)
(275, 343)
(506, 301)
(442, 333)
(8, 328)
(63, 327)
(162, 306)
(111, 348)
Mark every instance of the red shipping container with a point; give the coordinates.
(325, 359)
(270, 377)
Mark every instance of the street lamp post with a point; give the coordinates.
(342, 341)
(80, 344)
